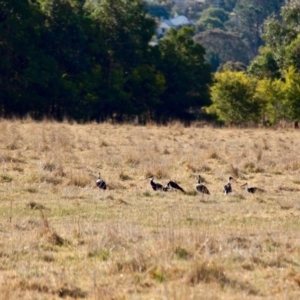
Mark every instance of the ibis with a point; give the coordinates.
(155, 185)
(201, 188)
(252, 189)
(172, 185)
(227, 187)
(101, 183)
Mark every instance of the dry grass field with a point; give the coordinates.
(63, 238)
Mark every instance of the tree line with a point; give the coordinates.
(92, 60)
(269, 90)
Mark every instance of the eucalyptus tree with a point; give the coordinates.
(19, 31)
(228, 46)
(282, 35)
(280, 58)
(264, 65)
(291, 98)
(248, 18)
(213, 12)
(187, 75)
(126, 30)
(65, 37)
(233, 100)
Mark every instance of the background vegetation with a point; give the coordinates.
(100, 60)
(272, 78)
(92, 61)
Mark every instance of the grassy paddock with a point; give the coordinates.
(61, 237)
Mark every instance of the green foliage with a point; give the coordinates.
(232, 66)
(19, 26)
(186, 72)
(279, 98)
(126, 28)
(264, 65)
(145, 85)
(92, 61)
(217, 13)
(292, 57)
(248, 19)
(292, 94)
(270, 93)
(227, 45)
(277, 66)
(209, 23)
(281, 35)
(232, 98)
(212, 18)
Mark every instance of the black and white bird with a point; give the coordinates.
(200, 188)
(227, 187)
(172, 185)
(252, 189)
(101, 183)
(155, 185)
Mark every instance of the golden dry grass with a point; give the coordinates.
(61, 237)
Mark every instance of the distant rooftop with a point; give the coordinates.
(181, 20)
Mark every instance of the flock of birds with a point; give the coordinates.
(172, 185)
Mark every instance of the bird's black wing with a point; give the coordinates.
(101, 184)
(159, 186)
(175, 185)
(227, 188)
(156, 186)
(202, 189)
